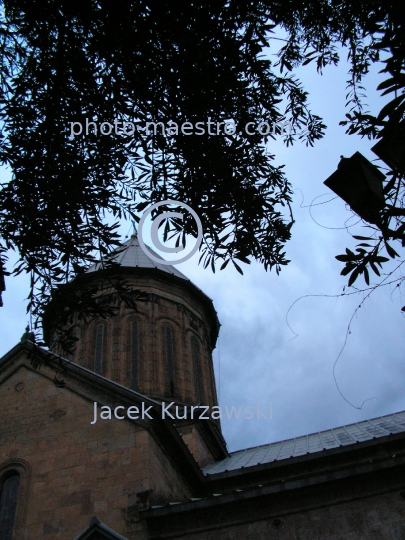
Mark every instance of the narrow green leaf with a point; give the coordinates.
(238, 268)
(224, 264)
(354, 276)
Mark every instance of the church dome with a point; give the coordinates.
(131, 255)
(163, 346)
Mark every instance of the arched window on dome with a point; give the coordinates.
(195, 352)
(9, 489)
(98, 364)
(169, 351)
(134, 355)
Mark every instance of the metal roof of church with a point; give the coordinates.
(309, 444)
(131, 255)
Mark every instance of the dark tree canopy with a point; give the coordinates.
(159, 61)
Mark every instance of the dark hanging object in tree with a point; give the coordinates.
(359, 183)
(391, 147)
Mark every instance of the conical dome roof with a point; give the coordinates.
(131, 255)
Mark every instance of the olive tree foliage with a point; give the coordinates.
(159, 61)
(384, 240)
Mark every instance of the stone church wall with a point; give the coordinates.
(77, 470)
(381, 517)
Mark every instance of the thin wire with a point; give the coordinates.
(302, 205)
(346, 227)
(348, 329)
(357, 291)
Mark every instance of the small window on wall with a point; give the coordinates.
(195, 351)
(168, 340)
(99, 348)
(8, 504)
(134, 356)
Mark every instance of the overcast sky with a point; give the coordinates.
(258, 358)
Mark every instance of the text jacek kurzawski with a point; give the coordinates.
(186, 412)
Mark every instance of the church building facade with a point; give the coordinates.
(130, 445)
